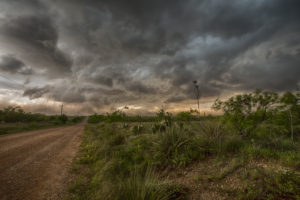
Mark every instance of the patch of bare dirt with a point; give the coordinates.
(35, 165)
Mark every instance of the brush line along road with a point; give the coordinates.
(35, 165)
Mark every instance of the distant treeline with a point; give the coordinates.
(17, 114)
(119, 116)
(243, 113)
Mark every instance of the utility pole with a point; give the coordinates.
(292, 129)
(197, 93)
(61, 109)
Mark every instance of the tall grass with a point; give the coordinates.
(125, 162)
(143, 186)
(176, 147)
(121, 166)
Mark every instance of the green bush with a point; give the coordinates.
(175, 147)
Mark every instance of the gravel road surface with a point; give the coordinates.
(35, 165)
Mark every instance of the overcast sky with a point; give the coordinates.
(100, 55)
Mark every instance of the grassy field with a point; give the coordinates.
(250, 152)
(196, 160)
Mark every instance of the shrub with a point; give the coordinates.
(245, 112)
(176, 147)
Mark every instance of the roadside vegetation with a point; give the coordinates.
(14, 120)
(250, 152)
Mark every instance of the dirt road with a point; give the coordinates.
(35, 165)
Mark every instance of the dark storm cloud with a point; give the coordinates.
(227, 30)
(102, 80)
(140, 88)
(155, 26)
(285, 77)
(113, 51)
(39, 32)
(33, 31)
(61, 93)
(34, 93)
(175, 99)
(12, 65)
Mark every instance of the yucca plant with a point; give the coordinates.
(175, 146)
(143, 186)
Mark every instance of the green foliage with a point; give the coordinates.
(290, 158)
(119, 116)
(63, 118)
(245, 112)
(145, 186)
(15, 119)
(77, 119)
(117, 139)
(187, 116)
(16, 114)
(158, 127)
(165, 117)
(121, 154)
(162, 115)
(233, 145)
(137, 129)
(121, 166)
(176, 147)
(96, 118)
(271, 185)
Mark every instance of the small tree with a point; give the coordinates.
(291, 110)
(246, 111)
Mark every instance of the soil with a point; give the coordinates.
(35, 165)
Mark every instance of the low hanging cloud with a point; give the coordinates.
(103, 54)
(10, 64)
(34, 93)
(38, 39)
